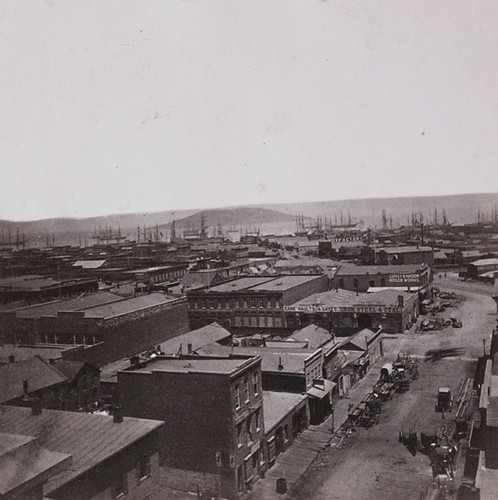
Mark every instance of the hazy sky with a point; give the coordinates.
(123, 106)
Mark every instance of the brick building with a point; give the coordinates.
(293, 369)
(106, 326)
(250, 304)
(213, 407)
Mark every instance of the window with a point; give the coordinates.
(257, 420)
(249, 427)
(341, 283)
(383, 282)
(255, 383)
(237, 303)
(371, 283)
(355, 283)
(261, 303)
(286, 432)
(245, 391)
(240, 435)
(277, 304)
(253, 302)
(237, 397)
(143, 467)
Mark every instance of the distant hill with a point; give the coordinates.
(270, 219)
(245, 218)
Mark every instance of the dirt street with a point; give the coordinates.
(372, 463)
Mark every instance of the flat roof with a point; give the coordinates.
(21, 353)
(38, 283)
(90, 439)
(76, 304)
(240, 284)
(125, 306)
(276, 405)
(191, 365)
(352, 269)
(285, 282)
(406, 249)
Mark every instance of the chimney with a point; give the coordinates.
(36, 407)
(134, 361)
(117, 414)
(189, 348)
(401, 301)
(12, 359)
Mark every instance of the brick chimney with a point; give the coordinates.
(117, 414)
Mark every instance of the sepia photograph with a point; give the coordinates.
(249, 250)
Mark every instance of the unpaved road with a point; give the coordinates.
(372, 464)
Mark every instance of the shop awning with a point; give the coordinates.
(318, 392)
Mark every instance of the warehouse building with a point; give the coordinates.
(251, 304)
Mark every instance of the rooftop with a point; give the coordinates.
(352, 269)
(315, 335)
(89, 264)
(347, 298)
(76, 304)
(276, 405)
(406, 249)
(25, 464)
(239, 284)
(35, 371)
(197, 338)
(21, 353)
(273, 359)
(485, 262)
(225, 365)
(36, 283)
(284, 283)
(127, 306)
(90, 439)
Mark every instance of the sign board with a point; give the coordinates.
(404, 278)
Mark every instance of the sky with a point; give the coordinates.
(125, 106)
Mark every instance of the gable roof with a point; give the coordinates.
(69, 368)
(35, 371)
(315, 335)
(197, 338)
